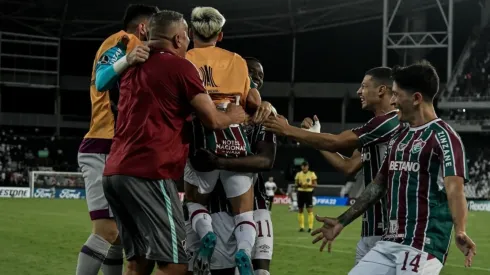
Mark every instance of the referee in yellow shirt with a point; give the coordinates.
(306, 181)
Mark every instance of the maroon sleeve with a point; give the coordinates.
(452, 155)
(377, 130)
(190, 79)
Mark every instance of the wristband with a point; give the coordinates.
(121, 65)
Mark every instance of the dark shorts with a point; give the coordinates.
(149, 217)
(305, 199)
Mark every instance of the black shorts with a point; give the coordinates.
(305, 199)
(149, 218)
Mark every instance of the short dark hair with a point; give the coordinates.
(252, 59)
(381, 75)
(135, 12)
(162, 20)
(419, 77)
(305, 163)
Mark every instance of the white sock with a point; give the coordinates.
(200, 219)
(261, 272)
(245, 232)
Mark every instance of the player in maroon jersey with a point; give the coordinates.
(423, 172)
(375, 94)
(149, 148)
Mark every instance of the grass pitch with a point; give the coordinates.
(43, 237)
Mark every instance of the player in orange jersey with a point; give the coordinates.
(225, 76)
(110, 61)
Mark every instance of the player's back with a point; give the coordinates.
(98, 138)
(224, 73)
(153, 109)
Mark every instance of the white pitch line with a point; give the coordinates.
(349, 252)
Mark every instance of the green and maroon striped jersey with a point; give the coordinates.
(417, 162)
(229, 142)
(374, 137)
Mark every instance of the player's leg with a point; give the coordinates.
(131, 238)
(192, 242)
(239, 189)
(364, 245)
(301, 204)
(271, 202)
(197, 186)
(98, 250)
(224, 254)
(309, 209)
(375, 262)
(264, 245)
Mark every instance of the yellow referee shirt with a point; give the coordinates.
(305, 181)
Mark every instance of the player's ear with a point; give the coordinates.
(382, 90)
(417, 98)
(220, 37)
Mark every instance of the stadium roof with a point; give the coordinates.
(94, 19)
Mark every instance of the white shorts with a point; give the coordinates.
(364, 245)
(92, 166)
(235, 184)
(389, 258)
(264, 243)
(224, 252)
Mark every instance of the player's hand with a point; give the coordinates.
(312, 125)
(277, 124)
(204, 161)
(467, 246)
(236, 113)
(328, 232)
(138, 55)
(263, 112)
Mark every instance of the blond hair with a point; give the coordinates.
(206, 22)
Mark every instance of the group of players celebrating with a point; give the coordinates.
(198, 115)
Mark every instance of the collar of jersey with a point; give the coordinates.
(424, 125)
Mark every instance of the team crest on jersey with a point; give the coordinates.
(418, 145)
(308, 180)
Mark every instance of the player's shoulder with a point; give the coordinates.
(443, 130)
(179, 64)
(115, 38)
(231, 55)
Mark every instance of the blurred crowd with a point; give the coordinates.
(25, 150)
(473, 83)
(29, 149)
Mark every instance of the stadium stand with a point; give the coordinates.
(31, 149)
(473, 83)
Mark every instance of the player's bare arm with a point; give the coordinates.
(214, 119)
(262, 161)
(333, 226)
(454, 186)
(320, 141)
(253, 99)
(348, 166)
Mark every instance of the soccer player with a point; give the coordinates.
(110, 61)
(270, 190)
(264, 148)
(150, 147)
(225, 76)
(305, 182)
(423, 173)
(375, 94)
